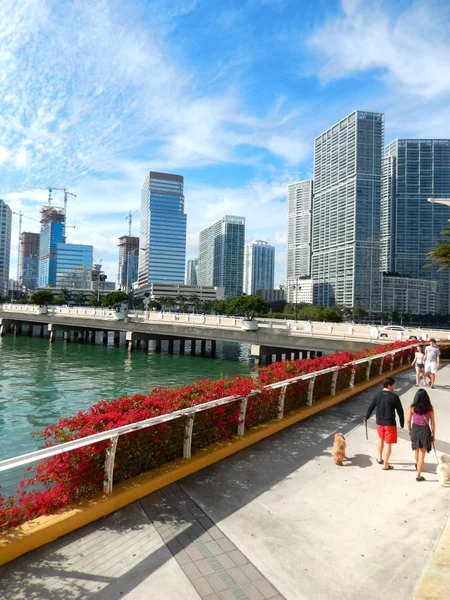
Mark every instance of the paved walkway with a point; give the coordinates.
(277, 521)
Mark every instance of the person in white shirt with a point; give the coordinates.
(432, 355)
(419, 363)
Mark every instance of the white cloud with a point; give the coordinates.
(410, 47)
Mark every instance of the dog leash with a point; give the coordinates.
(367, 435)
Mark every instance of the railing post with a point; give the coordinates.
(334, 382)
(109, 465)
(242, 413)
(352, 377)
(369, 366)
(281, 401)
(311, 391)
(188, 428)
(381, 365)
(392, 361)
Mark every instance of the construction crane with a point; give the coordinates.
(54, 189)
(129, 218)
(19, 248)
(50, 190)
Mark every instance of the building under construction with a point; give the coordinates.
(53, 232)
(128, 261)
(29, 259)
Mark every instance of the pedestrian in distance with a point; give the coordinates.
(419, 363)
(421, 428)
(432, 361)
(386, 404)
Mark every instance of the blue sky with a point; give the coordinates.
(230, 94)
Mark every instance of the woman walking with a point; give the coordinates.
(419, 363)
(421, 428)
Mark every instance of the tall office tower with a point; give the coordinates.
(259, 266)
(5, 246)
(221, 257)
(53, 231)
(413, 171)
(128, 261)
(162, 254)
(191, 272)
(298, 236)
(346, 212)
(29, 258)
(74, 266)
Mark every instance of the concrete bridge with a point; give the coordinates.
(272, 339)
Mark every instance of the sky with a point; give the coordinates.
(229, 94)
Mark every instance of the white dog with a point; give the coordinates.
(443, 470)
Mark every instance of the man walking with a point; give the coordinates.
(386, 404)
(432, 361)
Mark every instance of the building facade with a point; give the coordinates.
(5, 246)
(221, 255)
(413, 171)
(29, 259)
(259, 266)
(345, 264)
(156, 291)
(408, 296)
(298, 234)
(53, 232)
(191, 272)
(74, 266)
(162, 255)
(128, 267)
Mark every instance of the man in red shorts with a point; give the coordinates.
(386, 403)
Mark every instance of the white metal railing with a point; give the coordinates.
(189, 413)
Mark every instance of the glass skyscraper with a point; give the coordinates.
(74, 266)
(53, 226)
(191, 272)
(5, 246)
(259, 266)
(29, 256)
(128, 261)
(221, 256)
(413, 171)
(162, 254)
(346, 212)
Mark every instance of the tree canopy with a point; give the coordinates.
(440, 256)
(249, 306)
(41, 297)
(115, 299)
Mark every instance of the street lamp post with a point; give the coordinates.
(296, 288)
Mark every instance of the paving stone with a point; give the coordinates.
(194, 552)
(226, 545)
(266, 588)
(252, 573)
(217, 582)
(252, 591)
(215, 532)
(212, 597)
(225, 560)
(183, 557)
(205, 567)
(192, 571)
(229, 595)
(238, 557)
(214, 547)
(203, 587)
(238, 575)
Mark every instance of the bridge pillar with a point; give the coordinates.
(30, 329)
(4, 324)
(193, 346)
(182, 346)
(116, 338)
(93, 336)
(66, 335)
(203, 347)
(213, 347)
(105, 338)
(41, 331)
(170, 346)
(144, 345)
(158, 346)
(52, 332)
(278, 357)
(318, 353)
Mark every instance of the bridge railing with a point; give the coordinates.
(184, 420)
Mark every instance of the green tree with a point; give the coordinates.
(166, 302)
(194, 301)
(440, 256)
(94, 302)
(181, 301)
(220, 306)
(41, 297)
(250, 306)
(115, 300)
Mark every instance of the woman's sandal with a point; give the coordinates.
(380, 462)
(390, 467)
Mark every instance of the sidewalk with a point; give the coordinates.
(278, 520)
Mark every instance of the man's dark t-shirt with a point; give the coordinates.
(386, 403)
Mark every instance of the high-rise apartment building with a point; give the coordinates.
(128, 261)
(221, 256)
(29, 259)
(298, 236)
(259, 266)
(162, 255)
(346, 212)
(5, 246)
(413, 171)
(74, 266)
(53, 231)
(191, 272)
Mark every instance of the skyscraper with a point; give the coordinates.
(74, 266)
(259, 266)
(221, 256)
(53, 227)
(29, 257)
(5, 246)
(298, 235)
(162, 255)
(128, 261)
(346, 212)
(191, 272)
(413, 171)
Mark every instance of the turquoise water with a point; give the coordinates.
(42, 382)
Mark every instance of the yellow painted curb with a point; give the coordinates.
(43, 530)
(435, 584)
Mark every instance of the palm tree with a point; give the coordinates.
(166, 301)
(181, 301)
(194, 301)
(440, 256)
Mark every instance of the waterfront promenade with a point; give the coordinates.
(278, 520)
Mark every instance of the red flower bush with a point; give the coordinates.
(68, 477)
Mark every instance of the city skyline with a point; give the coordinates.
(237, 121)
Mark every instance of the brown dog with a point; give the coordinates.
(339, 449)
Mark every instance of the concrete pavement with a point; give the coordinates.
(278, 520)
